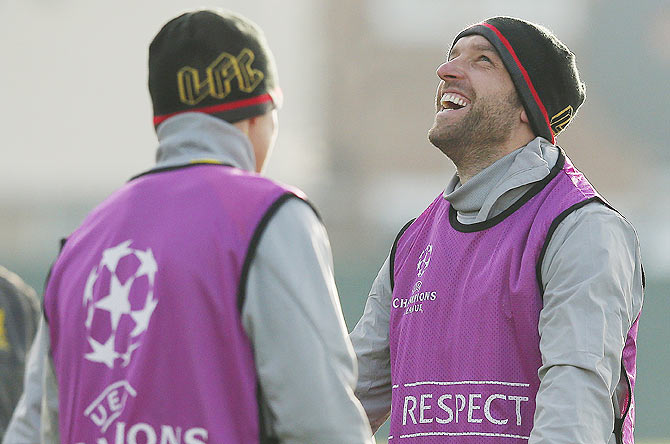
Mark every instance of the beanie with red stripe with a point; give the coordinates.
(542, 68)
(212, 62)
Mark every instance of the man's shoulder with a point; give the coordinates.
(602, 212)
(243, 178)
(19, 312)
(597, 222)
(14, 290)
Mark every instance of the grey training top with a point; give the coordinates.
(592, 279)
(292, 314)
(19, 313)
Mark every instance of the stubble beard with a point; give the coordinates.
(477, 138)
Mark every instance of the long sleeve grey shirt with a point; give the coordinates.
(592, 279)
(304, 360)
(19, 315)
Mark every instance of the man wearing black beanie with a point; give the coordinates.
(508, 310)
(197, 304)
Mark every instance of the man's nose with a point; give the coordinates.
(450, 69)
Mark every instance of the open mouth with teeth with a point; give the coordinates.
(451, 101)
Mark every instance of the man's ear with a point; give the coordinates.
(524, 116)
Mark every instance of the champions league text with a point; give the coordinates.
(410, 304)
(142, 433)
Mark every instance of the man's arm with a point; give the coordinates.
(50, 433)
(370, 338)
(292, 314)
(592, 281)
(26, 423)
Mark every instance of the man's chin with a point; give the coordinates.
(437, 137)
(449, 144)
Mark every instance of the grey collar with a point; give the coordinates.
(498, 186)
(192, 137)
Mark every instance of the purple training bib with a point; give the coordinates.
(464, 339)
(143, 311)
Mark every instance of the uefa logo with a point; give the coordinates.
(119, 300)
(424, 260)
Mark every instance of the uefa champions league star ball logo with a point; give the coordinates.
(424, 260)
(119, 301)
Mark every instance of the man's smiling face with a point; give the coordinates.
(477, 105)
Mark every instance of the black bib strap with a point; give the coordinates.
(46, 281)
(394, 248)
(618, 422)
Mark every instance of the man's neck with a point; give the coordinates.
(477, 159)
(495, 188)
(189, 137)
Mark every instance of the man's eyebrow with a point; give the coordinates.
(477, 47)
(484, 47)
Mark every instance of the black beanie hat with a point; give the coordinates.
(542, 68)
(212, 62)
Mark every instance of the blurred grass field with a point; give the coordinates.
(637, 441)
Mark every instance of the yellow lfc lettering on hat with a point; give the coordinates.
(561, 119)
(4, 344)
(218, 77)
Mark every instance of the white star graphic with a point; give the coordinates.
(102, 352)
(148, 264)
(111, 256)
(88, 295)
(89, 316)
(126, 355)
(143, 316)
(88, 289)
(116, 303)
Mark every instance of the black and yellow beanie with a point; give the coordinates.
(542, 68)
(212, 62)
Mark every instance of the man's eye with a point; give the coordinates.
(485, 59)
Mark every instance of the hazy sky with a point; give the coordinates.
(76, 116)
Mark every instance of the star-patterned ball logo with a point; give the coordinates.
(119, 301)
(424, 260)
